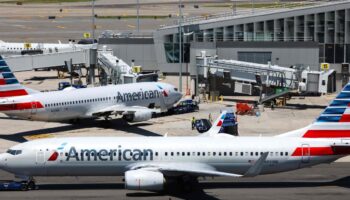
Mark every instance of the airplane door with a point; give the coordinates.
(305, 153)
(34, 108)
(40, 157)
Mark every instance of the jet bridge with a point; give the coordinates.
(279, 80)
(116, 71)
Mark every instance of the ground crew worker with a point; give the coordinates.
(193, 122)
(209, 118)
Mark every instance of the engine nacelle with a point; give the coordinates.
(144, 180)
(138, 116)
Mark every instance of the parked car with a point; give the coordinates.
(17, 185)
(184, 106)
(63, 85)
(202, 125)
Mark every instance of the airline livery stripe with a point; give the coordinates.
(11, 81)
(313, 151)
(13, 93)
(8, 81)
(327, 134)
(8, 75)
(3, 63)
(4, 69)
(345, 118)
(343, 95)
(321, 151)
(330, 110)
(340, 103)
(328, 118)
(20, 106)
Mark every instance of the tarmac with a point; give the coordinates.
(322, 182)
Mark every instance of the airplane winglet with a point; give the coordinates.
(256, 168)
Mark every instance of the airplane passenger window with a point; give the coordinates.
(286, 154)
(188, 153)
(183, 153)
(178, 153)
(198, 153)
(172, 153)
(224, 153)
(203, 153)
(208, 153)
(166, 153)
(155, 153)
(236, 153)
(219, 153)
(231, 153)
(242, 153)
(281, 153)
(214, 153)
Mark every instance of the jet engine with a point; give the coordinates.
(138, 116)
(144, 180)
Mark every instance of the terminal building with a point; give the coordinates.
(305, 36)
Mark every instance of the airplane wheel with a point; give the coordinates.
(31, 185)
(24, 187)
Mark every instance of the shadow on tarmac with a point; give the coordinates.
(199, 192)
(117, 124)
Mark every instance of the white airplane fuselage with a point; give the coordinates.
(83, 103)
(98, 156)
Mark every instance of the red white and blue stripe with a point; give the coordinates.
(334, 122)
(9, 85)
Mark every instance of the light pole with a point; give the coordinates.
(138, 19)
(93, 18)
(180, 45)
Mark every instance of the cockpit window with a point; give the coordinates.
(14, 152)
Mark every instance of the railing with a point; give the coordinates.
(260, 10)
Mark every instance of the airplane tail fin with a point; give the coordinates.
(333, 122)
(9, 85)
(217, 125)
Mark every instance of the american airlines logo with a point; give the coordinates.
(141, 95)
(109, 155)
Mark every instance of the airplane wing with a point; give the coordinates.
(174, 169)
(122, 110)
(199, 169)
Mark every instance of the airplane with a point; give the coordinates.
(135, 102)
(39, 48)
(149, 163)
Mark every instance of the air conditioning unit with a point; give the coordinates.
(243, 88)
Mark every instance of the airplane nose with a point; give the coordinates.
(2, 161)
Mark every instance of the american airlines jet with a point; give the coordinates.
(148, 163)
(134, 102)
